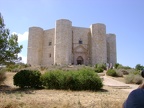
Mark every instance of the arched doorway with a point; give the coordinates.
(80, 60)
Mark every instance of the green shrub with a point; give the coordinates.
(137, 79)
(119, 72)
(136, 72)
(2, 75)
(99, 70)
(133, 79)
(129, 78)
(82, 79)
(53, 79)
(42, 68)
(125, 72)
(139, 67)
(16, 67)
(111, 72)
(126, 67)
(12, 67)
(116, 65)
(120, 66)
(102, 66)
(27, 79)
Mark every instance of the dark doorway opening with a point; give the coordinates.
(80, 60)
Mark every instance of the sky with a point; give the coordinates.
(125, 18)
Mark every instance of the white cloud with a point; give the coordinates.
(24, 58)
(21, 37)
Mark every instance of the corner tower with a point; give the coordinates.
(63, 42)
(98, 44)
(111, 48)
(34, 55)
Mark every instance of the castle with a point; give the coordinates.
(66, 44)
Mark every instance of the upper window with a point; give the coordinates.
(50, 55)
(50, 43)
(80, 41)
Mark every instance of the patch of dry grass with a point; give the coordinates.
(11, 97)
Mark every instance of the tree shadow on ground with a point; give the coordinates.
(103, 90)
(9, 90)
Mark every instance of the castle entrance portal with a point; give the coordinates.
(80, 60)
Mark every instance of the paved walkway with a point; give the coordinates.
(118, 85)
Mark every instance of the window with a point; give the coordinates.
(80, 41)
(50, 55)
(50, 43)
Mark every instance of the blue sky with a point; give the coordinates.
(125, 18)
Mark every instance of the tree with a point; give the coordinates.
(9, 47)
(139, 67)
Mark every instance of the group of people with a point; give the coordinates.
(136, 97)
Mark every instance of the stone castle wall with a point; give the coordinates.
(48, 47)
(98, 40)
(63, 42)
(80, 34)
(34, 56)
(61, 46)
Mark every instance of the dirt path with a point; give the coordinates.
(108, 81)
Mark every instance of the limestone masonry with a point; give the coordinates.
(66, 44)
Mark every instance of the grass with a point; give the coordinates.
(12, 97)
(62, 99)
